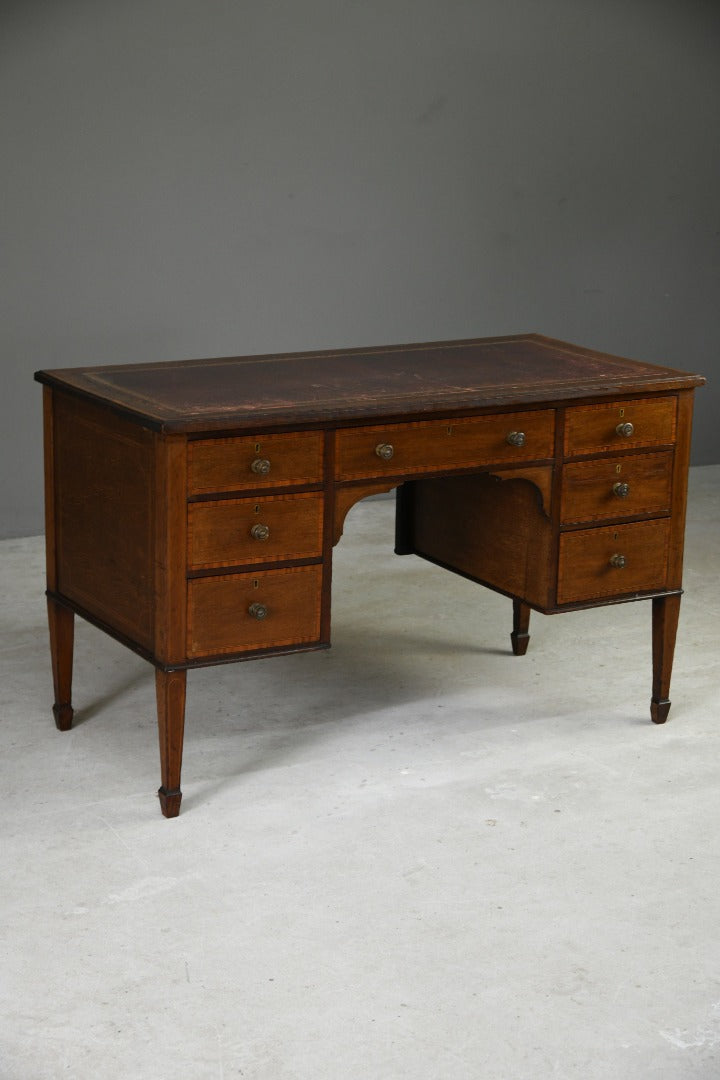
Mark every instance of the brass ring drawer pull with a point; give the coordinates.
(384, 451)
(258, 611)
(515, 438)
(618, 561)
(622, 489)
(625, 430)
(261, 466)
(260, 532)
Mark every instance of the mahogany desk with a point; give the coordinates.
(192, 507)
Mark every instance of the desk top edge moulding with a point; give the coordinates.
(192, 507)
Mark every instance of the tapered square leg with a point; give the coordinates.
(61, 621)
(665, 614)
(170, 688)
(520, 636)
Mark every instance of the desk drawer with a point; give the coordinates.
(223, 618)
(265, 528)
(439, 445)
(616, 487)
(594, 429)
(245, 463)
(590, 569)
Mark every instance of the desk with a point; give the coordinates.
(192, 507)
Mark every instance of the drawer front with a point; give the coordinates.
(616, 487)
(594, 429)
(261, 529)
(587, 557)
(249, 462)
(434, 445)
(220, 619)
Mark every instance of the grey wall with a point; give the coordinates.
(205, 177)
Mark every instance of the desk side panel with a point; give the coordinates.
(104, 513)
(170, 549)
(681, 465)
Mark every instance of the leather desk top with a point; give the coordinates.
(360, 385)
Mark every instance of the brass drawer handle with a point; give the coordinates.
(261, 466)
(260, 532)
(622, 489)
(625, 430)
(515, 438)
(258, 611)
(618, 561)
(385, 451)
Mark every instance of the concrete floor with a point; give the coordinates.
(414, 856)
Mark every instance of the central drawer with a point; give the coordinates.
(439, 445)
(266, 528)
(237, 613)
